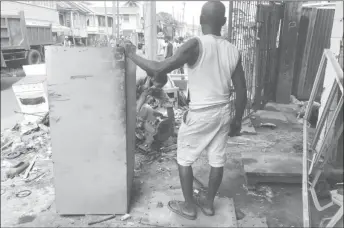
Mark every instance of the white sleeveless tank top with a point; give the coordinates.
(210, 77)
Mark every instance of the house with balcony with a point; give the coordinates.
(129, 18)
(96, 26)
(73, 15)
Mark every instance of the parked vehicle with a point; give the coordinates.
(23, 42)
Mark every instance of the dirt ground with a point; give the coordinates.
(280, 204)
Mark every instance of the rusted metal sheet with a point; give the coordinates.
(268, 18)
(291, 19)
(314, 36)
(92, 119)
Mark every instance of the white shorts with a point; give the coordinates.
(204, 130)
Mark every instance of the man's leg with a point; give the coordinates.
(186, 181)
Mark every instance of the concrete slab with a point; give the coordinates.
(162, 216)
(272, 167)
(286, 108)
(271, 116)
(252, 221)
(247, 128)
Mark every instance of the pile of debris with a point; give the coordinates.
(22, 146)
(157, 123)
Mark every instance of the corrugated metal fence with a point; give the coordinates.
(314, 36)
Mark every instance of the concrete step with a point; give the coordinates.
(251, 220)
(162, 216)
(274, 167)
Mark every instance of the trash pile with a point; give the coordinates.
(303, 107)
(22, 147)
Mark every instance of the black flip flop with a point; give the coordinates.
(197, 202)
(179, 211)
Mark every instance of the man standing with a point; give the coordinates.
(169, 47)
(214, 64)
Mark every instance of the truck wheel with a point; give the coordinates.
(34, 57)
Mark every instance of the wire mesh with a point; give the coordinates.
(243, 36)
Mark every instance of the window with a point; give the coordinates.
(61, 19)
(126, 17)
(110, 22)
(101, 21)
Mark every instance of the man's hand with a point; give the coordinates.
(235, 128)
(128, 47)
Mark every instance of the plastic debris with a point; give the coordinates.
(125, 217)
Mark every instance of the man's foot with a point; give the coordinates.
(183, 209)
(206, 207)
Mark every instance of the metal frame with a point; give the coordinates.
(320, 158)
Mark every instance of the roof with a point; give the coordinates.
(122, 10)
(72, 5)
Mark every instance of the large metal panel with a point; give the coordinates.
(314, 36)
(92, 122)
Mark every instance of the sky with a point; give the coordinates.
(192, 8)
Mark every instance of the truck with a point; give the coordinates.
(21, 42)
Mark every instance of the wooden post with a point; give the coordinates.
(230, 21)
(292, 13)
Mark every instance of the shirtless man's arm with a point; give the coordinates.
(187, 53)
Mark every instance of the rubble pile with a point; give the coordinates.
(23, 146)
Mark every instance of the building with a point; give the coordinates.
(73, 15)
(129, 18)
(96, 26)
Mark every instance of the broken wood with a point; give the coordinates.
(26, 175)
(102, 220)
(25, 113)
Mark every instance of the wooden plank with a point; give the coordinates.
(288, 50)
(320, 41)
(307, 48)
(89, 130)
(130, 96)
(305, 197)
(334, 63)
(315, 89)
(324, 115)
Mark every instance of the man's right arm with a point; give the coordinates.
(239, 83)
(187, 53)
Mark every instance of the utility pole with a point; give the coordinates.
(114, 21)
(173, 25)
(193, 25)
(230, 20)
(150, 30)
(117, 19)
(183, 17)
(106, 23)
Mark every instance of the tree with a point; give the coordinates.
(132, 3)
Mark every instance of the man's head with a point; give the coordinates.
(213, 14)
(167, 39)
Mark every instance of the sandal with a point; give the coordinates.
(198, 203)
(179, 209)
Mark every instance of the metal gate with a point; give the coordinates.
(242, 33)
(253, 28)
